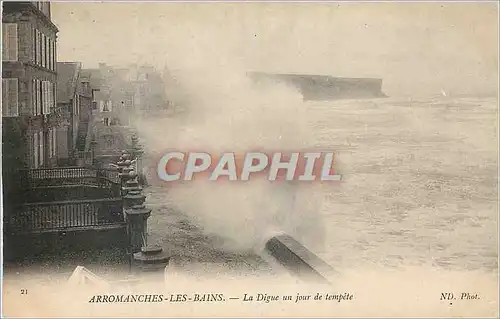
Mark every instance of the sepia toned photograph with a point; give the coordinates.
(238, 159)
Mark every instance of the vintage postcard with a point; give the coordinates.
(249, 159)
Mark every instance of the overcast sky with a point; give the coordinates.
(414, 47)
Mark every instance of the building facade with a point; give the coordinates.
(29, 79)
(68, 101)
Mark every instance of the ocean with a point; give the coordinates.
(419, 189)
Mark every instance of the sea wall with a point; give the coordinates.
(321, 87)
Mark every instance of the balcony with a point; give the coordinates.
(67, 216)
(68, 183)
(67, 199)
(69, 176)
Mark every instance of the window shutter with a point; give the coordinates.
(50, 53)
(52, 98)
(52, 136)
(33, 46)
(38, 98)
(44, 97)
(14, 97)
(47, 98)
(50, 142)
(55, 95)
(54, 141)
(41, 144)
(51, 93)
(47, 54)
(43, 49)
(54, 55)
(9, 42)
(33, 96)
(13, 42)
(5, 96)
(10, 100)
(40, 52)
(38, 48)
(4, 42)
(50, 107)
(35, 150)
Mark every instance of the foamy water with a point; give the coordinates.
(419, 186)
(420, 182)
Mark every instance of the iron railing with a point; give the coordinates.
(67, 214)
(60, 176)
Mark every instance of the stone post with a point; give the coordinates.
(131, 185)
(136, 213)
(136, 217)
(137, 152)
(152, 260)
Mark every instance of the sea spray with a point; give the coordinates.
(229, 113)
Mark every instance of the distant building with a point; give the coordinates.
(28, 89)
(75, 99)
(68, 100)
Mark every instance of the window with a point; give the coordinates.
(9, 42)
(48, 54)
(38, 47)
(43, 49)
(33, 46)
(54, 54)
(39, 96)
(47, 97)
(41, 145)
(50, 143)
(44, 97)
(54, 142)
(106, 121)
(105, 107)
(51, 56)
(47, 51)
(54, 94)
(33, 97)
(51, 97)
(94, 105)
(10, 101)
(38, 149)
(35, 150)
